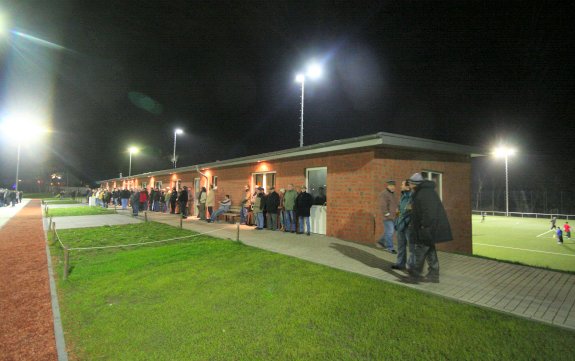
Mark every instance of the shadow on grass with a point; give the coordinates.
(373, 261)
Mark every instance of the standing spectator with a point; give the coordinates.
(429, 225)
(272, 205)
(303, 204)
(143, 199)
(173, 199)
(202, 196)
(567, 229)
(125, 197)
(245, 204)
(388, 203)
(224, 207)
(211, 199)
(135, 200)
(183, 202)
(163, 206)
(289, 206)
(20, 195)
(12, 198)
(2, 195)
(281, 212)
(259, 209)
(156, 200)
(402, 229)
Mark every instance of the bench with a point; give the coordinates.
(232, 214)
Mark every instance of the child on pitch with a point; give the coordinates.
(567, 229)
(559, 233)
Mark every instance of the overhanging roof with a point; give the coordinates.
(373, 140)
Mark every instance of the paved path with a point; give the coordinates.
(27, 325)
(91, 221)
(8, 212)
(533, 293)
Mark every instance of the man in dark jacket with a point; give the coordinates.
(272, 204)
(125, 197)
(429, 225)
(303, 203)
(173, 199)
(183, 202)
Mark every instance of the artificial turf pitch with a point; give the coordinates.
(524, 240)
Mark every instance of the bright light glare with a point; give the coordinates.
(504, 151)
(133, 150)
(314, 71)
(23, 124)
(179, 131)
(300, 78)
(3, 24)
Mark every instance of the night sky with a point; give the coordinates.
(469, 72)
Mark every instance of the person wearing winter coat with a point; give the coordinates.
(272, 205)
(183, 202)
(429, 225)
(202, 197)
(135, 200)
(289, 206)
(173, 198)
(211, 200)
(389, 206)
(259, 208)
(303, 204)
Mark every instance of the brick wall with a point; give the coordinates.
(354, 181)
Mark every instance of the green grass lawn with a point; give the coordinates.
(49, 201)
(37, 195)
(78, 211)
(210, 299)
(519, 237)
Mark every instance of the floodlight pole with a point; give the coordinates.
(17, 166)
(174, 157)
(130, 168)
(301, 124)
(506, 187)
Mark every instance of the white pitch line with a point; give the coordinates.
(524, 249)
(544, 233)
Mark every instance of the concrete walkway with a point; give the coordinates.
(532, 293)
(8, 212)
(91, 221)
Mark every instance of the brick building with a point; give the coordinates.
(345, 178)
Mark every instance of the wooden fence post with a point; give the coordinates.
(181, 222)
(54, 232)
(66, 262)
(145, 216)
(237, 231)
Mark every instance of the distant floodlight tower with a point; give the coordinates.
(505, 152)
(176, 132)
(132, 150)
(314, 71)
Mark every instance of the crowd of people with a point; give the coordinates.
(288, 210)
(9, 197)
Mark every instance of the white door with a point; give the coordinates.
(195, 194)
(316, 183)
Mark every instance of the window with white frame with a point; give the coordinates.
(215, 181)
(159, 184)
(437, 178)
(144, 184)
(265, 180)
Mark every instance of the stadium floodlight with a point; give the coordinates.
(314, 71)
(25, 127)
(132, 150)
(505, 152)
(176, 132)
(4, 27)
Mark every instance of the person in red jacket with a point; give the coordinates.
(567, 229)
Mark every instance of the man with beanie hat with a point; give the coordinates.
(429, 225)
(389, 206)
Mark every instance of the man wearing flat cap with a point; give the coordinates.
(389, 204)
(429, 225)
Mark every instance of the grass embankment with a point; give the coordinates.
(210, 299)
(50, 201)
(77, 211)
(516, 239)
(38, 195)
